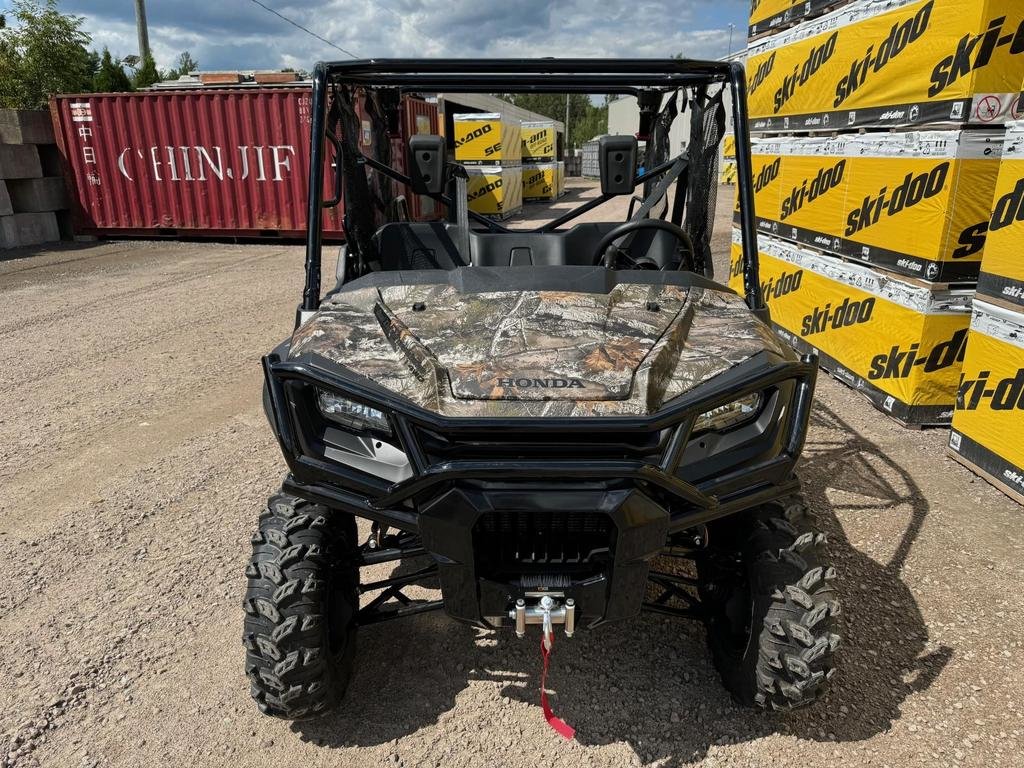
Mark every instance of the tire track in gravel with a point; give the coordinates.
(204, 310)
(110, 298)
(159, 377)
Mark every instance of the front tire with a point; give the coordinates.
(300, 605)
(772, 608)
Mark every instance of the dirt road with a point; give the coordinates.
(134, 458)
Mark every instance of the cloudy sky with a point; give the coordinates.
(239, 34)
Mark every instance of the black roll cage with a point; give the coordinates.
(619, 76)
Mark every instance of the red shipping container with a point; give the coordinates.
(203, 162)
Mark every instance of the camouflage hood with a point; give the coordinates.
(525, 353)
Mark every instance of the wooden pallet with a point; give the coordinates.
(986, 476)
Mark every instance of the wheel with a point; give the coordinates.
(300, 605)
(771, 605)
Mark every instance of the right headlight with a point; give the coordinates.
(348, 413)
(730, 415)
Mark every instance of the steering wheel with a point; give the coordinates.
(606, 255)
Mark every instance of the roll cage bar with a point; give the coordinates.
(588, 76)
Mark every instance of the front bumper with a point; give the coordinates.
(646, 476)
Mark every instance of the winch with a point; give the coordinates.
(547, 612)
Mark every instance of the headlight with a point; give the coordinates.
(348, 413)
(729, 415)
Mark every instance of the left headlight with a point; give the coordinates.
(348, 413)
(729, 415)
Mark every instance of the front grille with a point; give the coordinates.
(539, 445)
(510, 543)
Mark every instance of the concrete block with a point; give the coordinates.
(19, 161)
(21, 229)
(37, 195)
(49, 159)
(26, 126)
(5, 200)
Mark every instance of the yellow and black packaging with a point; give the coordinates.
(898, 343)
(494, 190)
(539, 141)
(766, 15)
(540, 181)
(891, 63)
(1002, 268)
(989, 417)
(766, 170)
(487, 138)
(729, 146)
(727, 173)
(915, 202)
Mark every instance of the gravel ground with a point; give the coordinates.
(134, 458)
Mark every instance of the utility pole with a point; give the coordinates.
(143, 29)
(731, 28)
(565, 148)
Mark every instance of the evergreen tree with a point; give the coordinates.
(111, 77)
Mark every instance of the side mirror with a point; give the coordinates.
(426, 164)
(617, 159)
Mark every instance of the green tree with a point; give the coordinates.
(185, 65)
(42, 52)
(146, 74)
(111, 77)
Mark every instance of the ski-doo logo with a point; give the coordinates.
(912, 191)
(1006, 395)
(974, 52)
(767, 175)
(971, 240)
(804, 72)
(549, 383)
(810, 190)
(475, 134)
(535, 178)
(848, 313)
(1009, 209)
(900, 363)
(783, 285)
(486, 189)
(763, 70)
(899, 37)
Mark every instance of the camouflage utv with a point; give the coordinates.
(571, 423)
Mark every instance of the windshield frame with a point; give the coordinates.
(587, 76)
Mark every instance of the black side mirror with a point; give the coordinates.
(426, 164)
(617, 159)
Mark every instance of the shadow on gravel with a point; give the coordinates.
(650, 683)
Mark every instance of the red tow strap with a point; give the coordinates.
(563, 729)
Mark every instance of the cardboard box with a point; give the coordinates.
(766, 15)
(1002, 267)
(727, 173)
(898, 343)
(561, 178)
(915, 203)
(495, 190)
(540, 181)
(891, 63)
(729, 147)
(540, 141)
(488, 139)
(989, 418)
